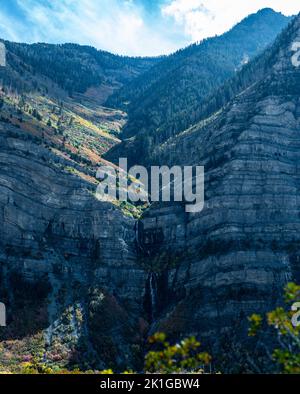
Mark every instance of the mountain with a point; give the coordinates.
(166, 99)
(52, 94)
(74, 68)
(85, 281)
(65, 257)
(234, 258)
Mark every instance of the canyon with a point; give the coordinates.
(85, 282)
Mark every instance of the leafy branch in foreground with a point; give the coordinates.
(281, 320)
(182, 357)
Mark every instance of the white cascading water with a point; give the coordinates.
(153, 294)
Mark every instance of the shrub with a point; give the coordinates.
(286, 354)
(181, 357)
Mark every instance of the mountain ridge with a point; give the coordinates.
(171, 103)
(235, 256)
(77, 274)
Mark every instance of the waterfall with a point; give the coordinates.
(153, 294)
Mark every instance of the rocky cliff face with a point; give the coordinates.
(88, 283)
(67, 262)
(234, 257)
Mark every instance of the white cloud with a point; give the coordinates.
(113, 25)
(206, 18)
(131, 27)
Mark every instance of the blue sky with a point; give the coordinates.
(132, 27)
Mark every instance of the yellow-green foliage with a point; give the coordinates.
(287, 355)
(181, 357)
(167, 358)
(255, 324)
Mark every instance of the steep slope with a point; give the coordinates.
(68, 270)
(165, 100)
(75, 127)
(234, 257)
(74, 68)
(82, 281)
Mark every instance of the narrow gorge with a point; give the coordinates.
(86, 282)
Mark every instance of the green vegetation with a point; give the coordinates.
(286, 353)
(77, 132)
(165, 358)
(181, 357)
(72, 67)
(52, 94)
(179, 91)
(283, 350)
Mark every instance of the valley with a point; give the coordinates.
(85, 282)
